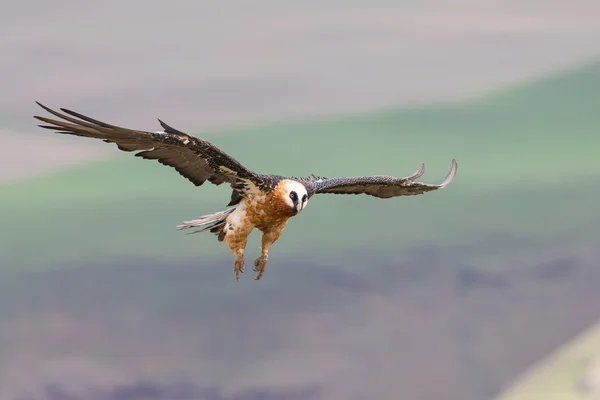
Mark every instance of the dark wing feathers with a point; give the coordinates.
(379, 186)
(199, 161)
(195, 159)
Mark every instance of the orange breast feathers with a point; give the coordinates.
(272, 208)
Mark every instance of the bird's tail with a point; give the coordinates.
(213, 222)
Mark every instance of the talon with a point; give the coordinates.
(260, 264)
(238, 266)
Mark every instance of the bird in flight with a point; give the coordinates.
(261, 201)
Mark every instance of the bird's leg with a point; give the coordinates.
(236, 238)
(237, 249)
(260, 264)
(238, 265)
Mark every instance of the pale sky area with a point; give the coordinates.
(209, 65)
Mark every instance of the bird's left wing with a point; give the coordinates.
(379, 186)
(194, 158)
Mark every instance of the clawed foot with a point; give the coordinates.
(260, 264)
(238, 266)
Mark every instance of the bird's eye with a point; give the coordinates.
(293, 195)
(304, 198)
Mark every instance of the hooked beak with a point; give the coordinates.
(298, 205)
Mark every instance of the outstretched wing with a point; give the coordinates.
(195, 159)
(379, 186)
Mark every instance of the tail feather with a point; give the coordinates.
(213, 222)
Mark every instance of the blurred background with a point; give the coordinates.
(485, 290)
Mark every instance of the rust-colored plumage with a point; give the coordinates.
(260, 201)
(267, 212)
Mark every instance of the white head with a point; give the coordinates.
(295, 195)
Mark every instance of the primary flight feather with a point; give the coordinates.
(260, 201)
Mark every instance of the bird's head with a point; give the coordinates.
(294, 195)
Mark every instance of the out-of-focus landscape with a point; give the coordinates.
(487, 289)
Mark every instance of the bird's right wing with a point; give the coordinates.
(194, 158)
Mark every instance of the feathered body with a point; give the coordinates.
(258, 201)
(268, 212)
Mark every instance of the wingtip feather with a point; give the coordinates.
(43, 106)
(418, 173)
(451, 175)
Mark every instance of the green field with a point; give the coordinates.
(561, 375)
(528, 169)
